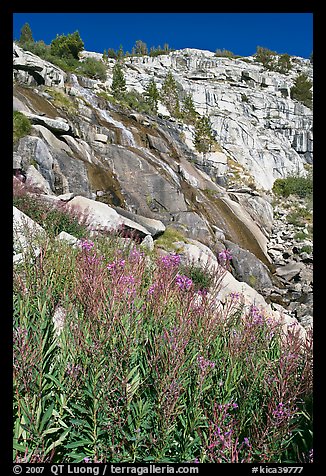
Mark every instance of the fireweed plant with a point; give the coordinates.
(148, 367)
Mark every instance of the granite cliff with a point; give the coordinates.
(145, 168)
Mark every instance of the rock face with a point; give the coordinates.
(143, 172)
(255, 120)
(32, 70)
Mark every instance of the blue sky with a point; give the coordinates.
(240, 33)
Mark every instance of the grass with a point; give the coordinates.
(62, 100)
(299, 217)
(146, 367)
(168, 239)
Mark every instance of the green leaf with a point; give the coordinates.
(76, 444)
(19, 447)
(80, 408)
(51, 430)
(57, 442)
(46, 417)
(55, 380)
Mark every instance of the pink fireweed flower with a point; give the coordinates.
(128, 279)
(283, 412)
(170, 260)
(152, 289)
(86, 245)
(116, 264)
(135, 254)
(204, 364)
(94, 259)
(225, 256)
(183, 282)
(257, 315)
(128, 284)
(235, 296)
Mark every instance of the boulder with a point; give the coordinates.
(148, 243)
(17, 161)
(290, 270)
(33, 149)
(64, 236)
(79, 147)
(101, 217)
(193, 226)
(158, 144)
(155, 227)
(35, 180)
(50, 139)
(101, 138)
(194, 252)
(58, 125)
(26, 232)
(248, 268)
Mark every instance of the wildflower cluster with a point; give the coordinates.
(225, 256)
(257, 315)
(204, 364)
(283, 412)
(170, 260)
(183, 282)
(116, 265)
(223, 442)
(149, 366)
(86, 245)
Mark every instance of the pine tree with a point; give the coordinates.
(284, 63)
(26, 35)
(120, 53)
(105, 56)
(67, 46)
(266, 57)
(118, 86)
(112, 53)
(189, 113)
(301, 90)
(152, 95)
(204, 138)
(140, 48)
(169, 95)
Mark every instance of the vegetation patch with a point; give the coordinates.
(294, 185)
(202, 278)
(119, 357)
(168, 238)
(21, 126)
(92, 68)
(299, 217)
(62, 100)
(54, 219)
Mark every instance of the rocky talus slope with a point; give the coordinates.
(144, 172)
